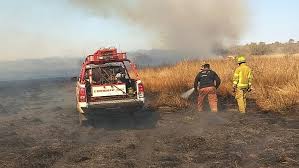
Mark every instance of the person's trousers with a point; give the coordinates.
(212, 97)
(241, 99)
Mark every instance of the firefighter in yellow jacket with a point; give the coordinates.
(242, 83)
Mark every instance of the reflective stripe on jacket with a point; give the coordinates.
(243, 76)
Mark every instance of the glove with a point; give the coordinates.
(249, 89)
(234, 88)
(195, 89)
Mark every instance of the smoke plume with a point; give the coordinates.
(190, 27)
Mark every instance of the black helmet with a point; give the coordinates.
(205, 66)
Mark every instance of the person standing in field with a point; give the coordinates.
(206, 84)
(242, 83)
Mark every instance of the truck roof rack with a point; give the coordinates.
(106, 55)
(103, 56)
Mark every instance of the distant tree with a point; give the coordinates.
(259, 49)
(291, 41)
(239, 50)
(290, 49)
(262, 43)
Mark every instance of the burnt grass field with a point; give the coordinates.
(39, 128)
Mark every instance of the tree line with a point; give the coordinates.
(289, 48)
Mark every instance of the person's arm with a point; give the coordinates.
(196, 81)
(235, 79)
(217, 80)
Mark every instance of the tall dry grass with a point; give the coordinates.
(275, 85)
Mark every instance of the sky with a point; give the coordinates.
(48, 28)
(272, 20)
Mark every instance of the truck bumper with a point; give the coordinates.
(116, 104)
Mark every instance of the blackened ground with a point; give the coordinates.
(39, 128)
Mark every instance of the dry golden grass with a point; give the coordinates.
(275, 86)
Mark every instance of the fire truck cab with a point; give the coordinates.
(105, 83)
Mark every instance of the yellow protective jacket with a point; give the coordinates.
(243, 77)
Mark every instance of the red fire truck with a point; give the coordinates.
(105, 83)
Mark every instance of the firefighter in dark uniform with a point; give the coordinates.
(206, 83)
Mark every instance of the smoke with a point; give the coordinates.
(189, 27)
